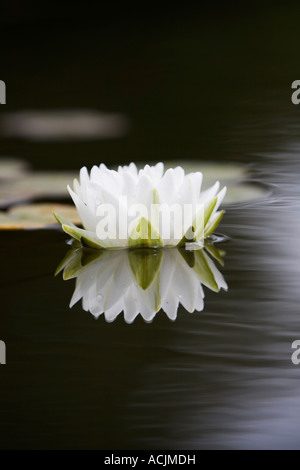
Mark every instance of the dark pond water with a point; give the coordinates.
(222, 378)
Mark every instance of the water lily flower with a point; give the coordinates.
(143, 208)
(141, 281)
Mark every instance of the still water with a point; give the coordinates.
(220, 378)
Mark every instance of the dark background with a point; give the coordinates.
(189, 77)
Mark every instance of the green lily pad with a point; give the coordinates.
(7, 224)
(232, 175)
(11, 168)
(245, 192)
(10, 223)
(43, 212)
(36, 185)
(46, 183)
(212, 171)
(35, 216)
(11, 195)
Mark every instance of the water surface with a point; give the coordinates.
(221, 378)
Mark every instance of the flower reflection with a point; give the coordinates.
(141, 281)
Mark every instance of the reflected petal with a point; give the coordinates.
(142, 281)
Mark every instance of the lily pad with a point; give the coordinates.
(42, 184)
(212, 171)
(233, 175)
(11, 168)
(36, 185)
(63, 125)
(10, 223)
(13, 195)
(245, 192)
(35, 216)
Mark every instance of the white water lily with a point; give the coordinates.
(141, 281)
(139, 201)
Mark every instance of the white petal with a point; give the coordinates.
(179, 176)
(209, 194)
(87, 218)
(84, 180)
(154, 172)
(186, 284)
(167, 187)
(217, 275)
(131, 304)
(220, 197)
(170, 304)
